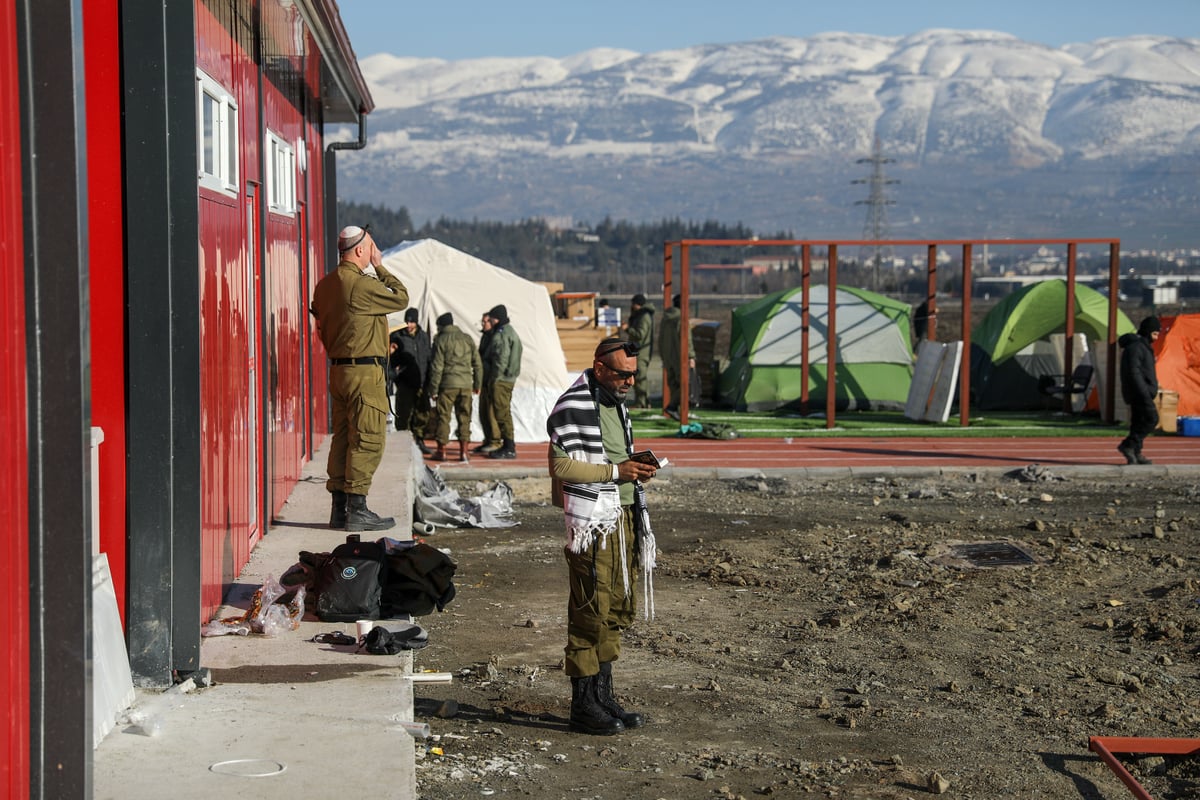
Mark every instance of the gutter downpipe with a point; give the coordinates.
(362, 137)
(331, 229)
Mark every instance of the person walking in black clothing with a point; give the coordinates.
(410, 368)
(1139, 387)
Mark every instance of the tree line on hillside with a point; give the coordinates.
(620, 258)
(613, 256)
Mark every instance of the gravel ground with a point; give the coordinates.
(837, 640)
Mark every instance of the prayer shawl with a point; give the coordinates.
(593, 510)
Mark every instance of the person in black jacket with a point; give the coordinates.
(410, 367)
(1139, 387)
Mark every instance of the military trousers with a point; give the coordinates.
(487, 414)
(456, 403)
(502, 392)
(599, 607)
(359, 409)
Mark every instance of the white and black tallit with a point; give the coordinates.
(593, 510)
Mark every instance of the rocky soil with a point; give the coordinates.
(837, 640)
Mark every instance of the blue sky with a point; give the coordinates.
(459, 29)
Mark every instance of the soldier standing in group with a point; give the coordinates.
(351, 310)
(410, 368)
(500, 371)
(456, 374)
(487, 409)
(639, 329)
(668, 350)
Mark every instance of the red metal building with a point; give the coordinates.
(167, 201)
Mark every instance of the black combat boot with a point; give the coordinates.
(507, 450)
(586, 714)
(485, 448)
(604, 696)
(337, 514)
(1125, 448)
(361, 518)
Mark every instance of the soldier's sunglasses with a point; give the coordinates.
(623, 374)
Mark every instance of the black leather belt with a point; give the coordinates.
(341, 362)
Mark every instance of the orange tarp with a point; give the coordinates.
(1177, 360)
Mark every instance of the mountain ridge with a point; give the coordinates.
(983, 132)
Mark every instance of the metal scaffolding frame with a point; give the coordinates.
(683, 246)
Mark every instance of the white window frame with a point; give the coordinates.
(216, 149)
(280, 164)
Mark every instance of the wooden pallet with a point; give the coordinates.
(579, 339)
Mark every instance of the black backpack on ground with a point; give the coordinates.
(419, 579)
(350, 582)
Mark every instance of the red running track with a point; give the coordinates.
(879, 452)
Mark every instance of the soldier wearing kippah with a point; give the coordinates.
(351, 308)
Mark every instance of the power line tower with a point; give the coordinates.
(876, 225)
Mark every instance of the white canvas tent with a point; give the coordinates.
(440, 279)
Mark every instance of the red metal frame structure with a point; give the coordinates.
(931, 245)
(1106, 746)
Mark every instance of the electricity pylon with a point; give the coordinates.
(876, 225)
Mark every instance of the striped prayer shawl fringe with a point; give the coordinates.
(593, 510)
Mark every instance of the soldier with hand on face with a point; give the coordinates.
(351, 308)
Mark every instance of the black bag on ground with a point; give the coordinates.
(419, 579)
(383, 642)
(350, 582)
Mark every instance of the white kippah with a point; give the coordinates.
(350, 236)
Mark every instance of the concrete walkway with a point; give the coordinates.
(286, 718)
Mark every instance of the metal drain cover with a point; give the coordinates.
(982, 555)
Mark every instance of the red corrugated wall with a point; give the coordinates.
(283, 98)
(315, 268)
(225, 326)
(14, 489)
(255, 370)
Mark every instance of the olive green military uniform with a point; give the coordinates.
(456, 373)
(641, 331)
(351, 310)
(487, 408)
(501, 370)
(668, 350)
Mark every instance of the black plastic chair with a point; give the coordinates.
(1080, 382)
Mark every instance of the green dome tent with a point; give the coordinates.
(874, 356)
(1010, 347)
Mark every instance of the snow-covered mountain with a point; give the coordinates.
(985, 134)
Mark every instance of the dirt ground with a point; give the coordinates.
(829, 640)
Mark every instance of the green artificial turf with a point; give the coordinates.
(991, 424)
